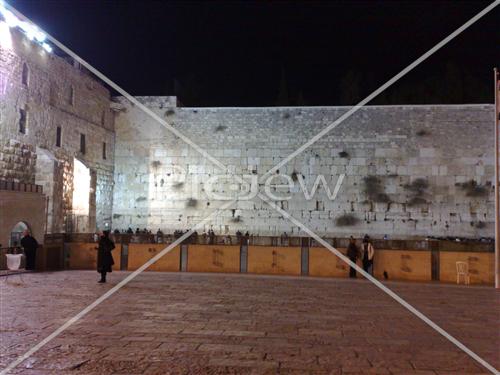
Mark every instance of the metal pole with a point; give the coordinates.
(497, 195)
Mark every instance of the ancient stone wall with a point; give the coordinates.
(410, 170)
(39, 93)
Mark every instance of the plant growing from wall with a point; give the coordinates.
(416, 201)
(473, 189)
(422, 133)
(480, 225)
(418, 191)
(178, 185)
(346, 220)
(191, 203)
(374, 190)
(343, 154)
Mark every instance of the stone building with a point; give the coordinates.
(56, 131)
(103, 163)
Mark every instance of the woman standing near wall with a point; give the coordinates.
(368, 253)
(104, 258)
(352, 254)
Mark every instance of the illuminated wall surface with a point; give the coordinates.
(410, 170)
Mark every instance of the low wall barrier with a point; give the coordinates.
(394, 260)
(83, 256)
(138, 254)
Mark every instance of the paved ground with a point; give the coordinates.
(173, 323)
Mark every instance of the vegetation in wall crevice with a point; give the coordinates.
(346, 220)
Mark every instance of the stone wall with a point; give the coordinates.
(411, 171)
(51, 92)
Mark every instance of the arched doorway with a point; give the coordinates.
(16, 233)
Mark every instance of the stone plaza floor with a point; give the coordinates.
(186, 323)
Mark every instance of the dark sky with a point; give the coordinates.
(234, 53)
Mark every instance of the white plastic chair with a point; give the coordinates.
(463, 270)
(14, 262)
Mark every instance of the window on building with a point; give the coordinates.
(104, 150)
(23, 120)
(71, 96)
(82, 143)
(58, 136)
(25, 76)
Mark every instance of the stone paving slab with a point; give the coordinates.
(186, 323)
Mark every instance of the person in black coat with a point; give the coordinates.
(104, 258)
(29, 245)
(352, 254)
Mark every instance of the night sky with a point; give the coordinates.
(265, 53)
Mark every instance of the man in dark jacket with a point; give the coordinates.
(352, 254)
(104, 258)
(29, 245)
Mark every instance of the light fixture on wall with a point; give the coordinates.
(31, 31)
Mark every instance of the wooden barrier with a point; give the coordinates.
(138, 254)
(399, 265)
(83, 256)
(274, 260)
(403, 265)
(213, 258)
(481, 266)
(413, 265)
(322, 262)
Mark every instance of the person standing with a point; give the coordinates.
(29, 245)
(368, 253)
(352, 254)
(211, 237)
(104, 258)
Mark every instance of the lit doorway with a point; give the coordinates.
(81, 196)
